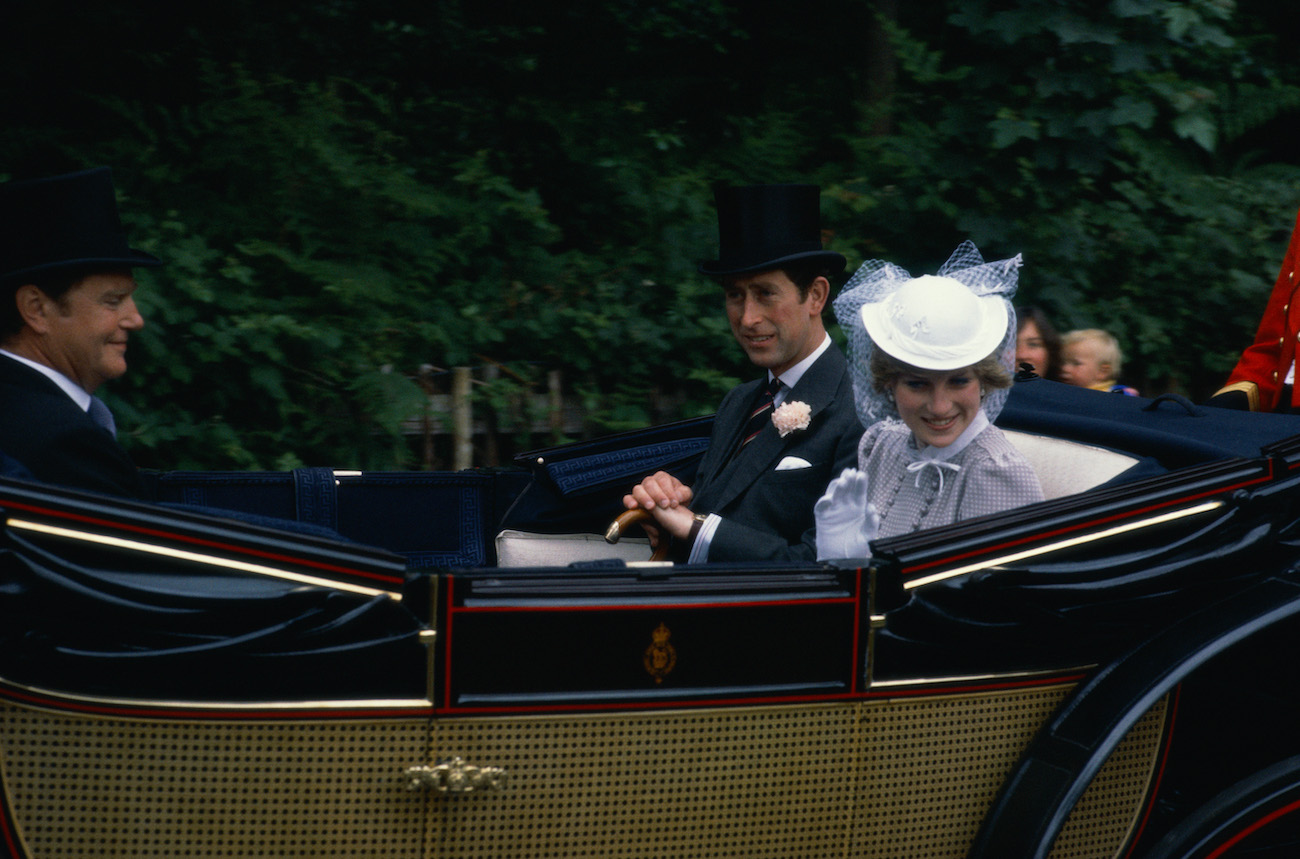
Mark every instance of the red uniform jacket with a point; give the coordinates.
(1263, 367)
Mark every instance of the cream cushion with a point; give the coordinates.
(1066, 467)
(524, 549)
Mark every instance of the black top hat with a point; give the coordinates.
(762, 227)
(62, 222)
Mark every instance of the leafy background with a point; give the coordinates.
(354, 197)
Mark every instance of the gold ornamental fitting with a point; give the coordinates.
(456, 776)
(660, 658)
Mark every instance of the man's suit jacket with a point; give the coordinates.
(768, 514)
(44, 430)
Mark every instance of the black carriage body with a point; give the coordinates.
(1106, 673)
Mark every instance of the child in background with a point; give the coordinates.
(1090, 358)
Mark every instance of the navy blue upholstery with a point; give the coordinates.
(10, 467)
(578, 488)
(433, 519)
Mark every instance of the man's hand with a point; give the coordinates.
(663, 496)
(660, 489)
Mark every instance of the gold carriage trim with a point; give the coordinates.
(1250, 389)
(660, 658)
(199, 557)
(1064, 544)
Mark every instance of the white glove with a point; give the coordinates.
(846, 521)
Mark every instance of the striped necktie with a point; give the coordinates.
(761, 416)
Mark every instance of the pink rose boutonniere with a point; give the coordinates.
(791, 416)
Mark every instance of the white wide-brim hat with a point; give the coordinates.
(936, 323)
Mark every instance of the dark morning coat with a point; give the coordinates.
(44, 430)
(768, 514)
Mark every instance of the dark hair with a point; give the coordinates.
(55, 285)
(801, 274)
(886, 371)
(1051, 338)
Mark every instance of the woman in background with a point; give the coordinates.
(1037, 342)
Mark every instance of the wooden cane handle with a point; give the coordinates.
(626, 520)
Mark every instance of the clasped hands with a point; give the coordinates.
(846, 520)
(664, 497)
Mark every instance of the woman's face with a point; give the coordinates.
(937, 405)
(1031, 349)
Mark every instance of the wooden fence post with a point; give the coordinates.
(428, 456)
(462, 420)
(555, 404)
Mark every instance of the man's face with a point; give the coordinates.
(85, 332)
(770, 323)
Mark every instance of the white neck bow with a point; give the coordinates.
(937, 457)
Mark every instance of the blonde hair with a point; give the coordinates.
(1108, 351)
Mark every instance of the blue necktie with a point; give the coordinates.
(100, 414)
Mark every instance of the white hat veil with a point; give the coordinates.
(876, 279)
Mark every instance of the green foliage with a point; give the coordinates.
(1110, 154)
(348, 192)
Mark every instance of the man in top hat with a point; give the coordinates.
(66, 314)
(778, 440)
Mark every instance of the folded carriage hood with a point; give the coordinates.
(1169, 429)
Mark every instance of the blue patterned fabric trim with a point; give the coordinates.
(587, 473)
(315, 493)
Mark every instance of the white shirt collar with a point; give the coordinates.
(791, 377)
(71, 388)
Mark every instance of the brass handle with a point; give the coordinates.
(626, 520)
(456, 776)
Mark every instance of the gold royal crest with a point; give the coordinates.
(660, 657)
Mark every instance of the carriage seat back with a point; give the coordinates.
(527, 549)
(1066, 467)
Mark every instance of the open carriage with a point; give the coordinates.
(457, 664)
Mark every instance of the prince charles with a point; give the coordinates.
(777, 440)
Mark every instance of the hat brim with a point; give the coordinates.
(718, 268)
(132, 259)
(992, 331)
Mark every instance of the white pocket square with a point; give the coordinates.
(790, 463)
